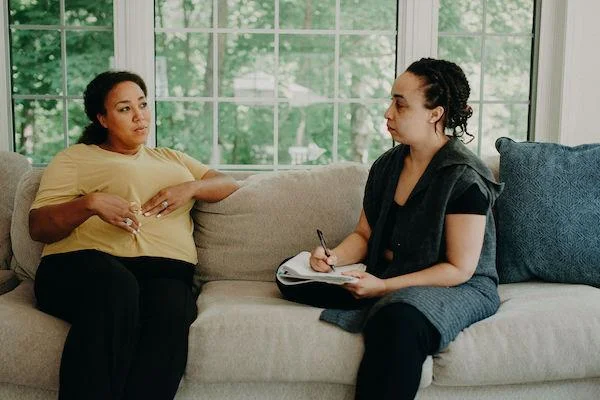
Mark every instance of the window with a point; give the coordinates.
(492, 40)
(262, 84)
(274, 84)
(55, 47)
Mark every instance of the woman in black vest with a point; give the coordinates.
(426, 233)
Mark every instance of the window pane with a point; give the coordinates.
(88, 54)
(503, 120)
(97, 12)
(247, 14)
(183, 13)
(366, 66)
(246, 134)
(363, 134)
(368, 14)
(77, 120)
(307, 14)
(40, 12)
(507, 68)
(38, 129)
(510, 16)
(306, 66)
(466, 52)
(35, 57)
(305, 134)
(247, 65)
(182, 62)
(185, 126)
(459, 16)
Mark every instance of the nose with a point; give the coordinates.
(138, 114)
(388, 112)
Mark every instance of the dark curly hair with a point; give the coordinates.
(94, 97)
(446, 86)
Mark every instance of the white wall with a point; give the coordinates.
(580, 110)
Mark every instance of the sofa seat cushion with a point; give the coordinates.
(542, 332)
(32, 341)
(245, 332)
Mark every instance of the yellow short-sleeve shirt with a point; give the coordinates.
(82, 169)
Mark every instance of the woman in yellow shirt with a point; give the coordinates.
(120, 255)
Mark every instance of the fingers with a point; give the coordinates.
(129, 222)
(159, 206)
(319, 261)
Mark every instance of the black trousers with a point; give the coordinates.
(129, 318)
(398, 339)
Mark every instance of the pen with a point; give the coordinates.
(324, 245)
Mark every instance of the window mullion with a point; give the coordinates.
(417, 31)
(134, 45)
(6, 130)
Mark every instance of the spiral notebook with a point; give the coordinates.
(297, 270)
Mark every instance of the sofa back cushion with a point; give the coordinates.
(549, 213)
(12, 167)
(275, 215)
(27, 252)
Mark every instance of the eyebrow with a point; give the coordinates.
(398, 96)
(127, 101)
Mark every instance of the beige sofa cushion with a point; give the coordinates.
(245, 332)
(275, 215)
(12, 166)
(27, 252)
(32, 341)
(542, 332)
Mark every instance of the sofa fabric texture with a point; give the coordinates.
(12, 167)
(27, 253)
(274, 216)
(249, 343)
(549, 213)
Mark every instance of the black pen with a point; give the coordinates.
(324, 246)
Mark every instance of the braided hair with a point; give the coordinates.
(446, 86)
(94, 97)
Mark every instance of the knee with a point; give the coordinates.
(400, 323)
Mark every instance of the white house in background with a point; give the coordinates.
(260, 85)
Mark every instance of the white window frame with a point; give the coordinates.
(417, 37)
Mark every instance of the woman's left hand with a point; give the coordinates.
(168, 199)
(367, 285)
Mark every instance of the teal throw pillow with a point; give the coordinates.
(548, 217)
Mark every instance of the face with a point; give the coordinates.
(408, 120)
(127, 116)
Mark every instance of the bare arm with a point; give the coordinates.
(464, 241)
(50, 224)
(351, 250)
(214, 186)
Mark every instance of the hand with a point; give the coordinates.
(115, 210)
(320, 262)
(169, 199)
(367, 286)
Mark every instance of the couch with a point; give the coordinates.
(249, 343)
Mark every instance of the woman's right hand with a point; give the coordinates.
(319, 260)
(115, 210)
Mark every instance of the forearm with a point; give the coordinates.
(52, 223)
(442, 275)
(353, 249)
(214, 188)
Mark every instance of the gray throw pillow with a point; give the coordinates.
(548, 217)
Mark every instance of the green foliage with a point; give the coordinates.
(299, 86)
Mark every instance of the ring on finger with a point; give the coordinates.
(164, 204)
(128, 221)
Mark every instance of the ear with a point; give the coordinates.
(436, 114)
(102, 119)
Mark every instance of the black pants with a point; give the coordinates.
(129, 318)
(398, 339)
